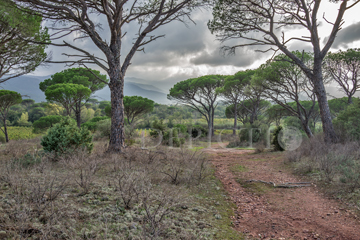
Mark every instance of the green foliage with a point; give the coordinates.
(337, 105)
(65, 137)
(174, 137)
(19, 30)
(46, 122)
(104, 127)
(257, 130)
(275, 140)
(28, 160)
(244, 110)
(182, 128)
(158, 127)
(81, 76)
(8, 98)
(36, 113)
(67, 94)
(19, 133)
(199, 131)
(107, 110)
(350, 173)
(199, 93)
(24, 120)
(275, 113)
(348, 122)
(92, 123)
(135, 106)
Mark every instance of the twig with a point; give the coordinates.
(285, 185)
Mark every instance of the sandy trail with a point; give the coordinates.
(264, 212)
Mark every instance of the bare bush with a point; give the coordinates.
(157, 203)
(338, 164)
(83, 167)
(129, 183)
(184, 165)
(17, 149)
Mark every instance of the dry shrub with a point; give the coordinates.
(182, 165)
(83, 167)
(260, 147)
(34, 192)
(17, 149)
(338, 164)
(130, 183)
(157, 203)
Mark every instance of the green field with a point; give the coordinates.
(18, 133)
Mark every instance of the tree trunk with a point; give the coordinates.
(235, 119)
(212, 122)
(78, 115)
(5, 131)
(117, 133)
(305, 125)
(209, 124)
(78, 118)
(350, 101)
(328, 128)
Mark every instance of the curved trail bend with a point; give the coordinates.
(265, 212)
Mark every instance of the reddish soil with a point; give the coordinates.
(265, 212)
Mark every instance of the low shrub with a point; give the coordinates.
(348, 123)
(65, 137)
(92, 123)
(275, 140)
(103, 128)
(46, 122)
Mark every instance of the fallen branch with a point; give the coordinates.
(285, 185)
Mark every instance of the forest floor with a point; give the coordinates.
(267, 212)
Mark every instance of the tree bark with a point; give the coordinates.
(306, 128)
(117, 133)
(328, 128)
(212, 121)
(78, 115)
(235, 118)
(5, 131)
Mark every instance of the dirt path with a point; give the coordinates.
(265, 212)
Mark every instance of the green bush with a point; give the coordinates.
(46, 122)
(258, 131)
(348, 122)
(173, 137)
(103, 127)
(92, 123)
(65, 137)
(275, 140)
(28, 160)
(199, 130)
(2, 139)
(182, 128)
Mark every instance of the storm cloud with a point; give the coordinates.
(346, 36)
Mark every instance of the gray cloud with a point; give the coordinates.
(241, 58)
(346, 36)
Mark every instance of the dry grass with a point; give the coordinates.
(335, 166)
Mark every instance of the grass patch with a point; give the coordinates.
(255, 187)
(239, 168)
(197, 148)
(19, 133)
(213, 196)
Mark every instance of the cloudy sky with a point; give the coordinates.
(192, 51)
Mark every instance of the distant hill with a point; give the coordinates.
(29, 86)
